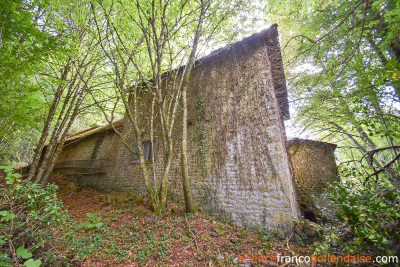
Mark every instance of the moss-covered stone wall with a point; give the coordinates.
(238, 162)
(313, 165)
(90, 160)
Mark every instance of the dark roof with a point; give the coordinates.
(268, 37)
(90, 131)
(297, 141)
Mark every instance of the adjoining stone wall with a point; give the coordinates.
(89, 161)
(313, 165)
(238, 162)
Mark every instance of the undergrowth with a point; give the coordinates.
(362, 219)
(34, 226)
(95, 229)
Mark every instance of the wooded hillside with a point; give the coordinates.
(70, 65)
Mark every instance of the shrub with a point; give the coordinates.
(33, 225)
(366, 219)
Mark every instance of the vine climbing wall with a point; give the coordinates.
(247, 177)
(238, 163)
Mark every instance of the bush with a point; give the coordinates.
(34, 227)
(366, 219)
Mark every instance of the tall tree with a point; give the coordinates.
(25, 43)
(145, 68)
(343, 76)
(185, 79)
(69, 74)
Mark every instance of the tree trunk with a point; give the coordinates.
(167, 126)
(189, 206)
(57, 131)
(49, 122)
(71, 105)
(187, 192)
(60, 144)
(391, 172)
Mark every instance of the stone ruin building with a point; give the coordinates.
(237, 104)
(313, 165)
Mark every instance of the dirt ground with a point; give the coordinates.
(120, 230)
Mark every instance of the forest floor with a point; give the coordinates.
(120, 230)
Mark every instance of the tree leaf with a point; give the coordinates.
(6, 215)
(23, 253)
(7, 168)
(32, 263)
(2, 240)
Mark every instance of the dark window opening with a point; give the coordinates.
(308, 213)
(148, 151)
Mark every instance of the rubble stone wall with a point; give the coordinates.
(313, 165)
(238, 162)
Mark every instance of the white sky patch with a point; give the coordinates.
(294, 131)
(306, 67)
(247, 24)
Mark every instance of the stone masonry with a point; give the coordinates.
(238, 162)
(313, 165)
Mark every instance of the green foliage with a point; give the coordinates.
(33, 221)
(189, 215)
(365, 219)
(10, 176)
(342, 61)
(32, 263)
(6, 216)
(265, 234)
(24, 48)
(199, 137)
(93, 223)
(23, 253)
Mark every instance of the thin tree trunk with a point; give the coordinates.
(146, 176)
(48, 122)
(391, 172)
(57, 131)
(187, 192)
(60, 144)
(62, 131)
(168, 124)
(156, 37)
(189, 206)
